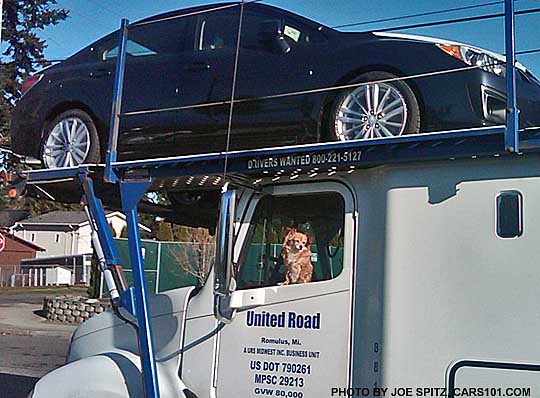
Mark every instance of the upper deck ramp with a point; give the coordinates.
(206, 171)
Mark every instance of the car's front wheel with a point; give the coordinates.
(382, 107)
(71, 139)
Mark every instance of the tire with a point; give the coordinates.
(71, 139)
(348, 119)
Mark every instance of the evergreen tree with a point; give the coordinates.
(21, 22)
(164, 232)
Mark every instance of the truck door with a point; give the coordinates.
(296, 344)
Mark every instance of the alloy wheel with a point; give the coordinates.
(371, 111)
(68, 144)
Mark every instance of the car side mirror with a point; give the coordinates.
(224, 282)
(271, 34)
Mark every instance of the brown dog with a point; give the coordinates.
(296, 257)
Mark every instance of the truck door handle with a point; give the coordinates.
(100, 73)
(197, 67)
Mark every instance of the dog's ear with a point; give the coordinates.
(309, 240)
(287, 231)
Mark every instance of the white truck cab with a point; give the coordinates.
(425, 283)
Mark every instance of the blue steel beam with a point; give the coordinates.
(484, 141)
(131, 192)
(114, 124)
(511, 138)
(95, 208)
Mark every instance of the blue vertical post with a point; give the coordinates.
(511, 136)
(114, 124)
(131, 192)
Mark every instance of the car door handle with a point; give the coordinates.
(197, 67)
(100, 73)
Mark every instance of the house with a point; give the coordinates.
(66, 238)
(15, 249)
(65, 233)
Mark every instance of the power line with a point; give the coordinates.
(459, 20)
(411, 26)
(422, 14)
(532, 51)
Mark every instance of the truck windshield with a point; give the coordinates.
(316, 218)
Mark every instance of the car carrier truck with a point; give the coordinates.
(425, 276)
(425, 270)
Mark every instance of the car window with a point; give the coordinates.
(165, 37)
(295, 32)
(132, 48)
(278, 222)
(216, 30)
(219, 29)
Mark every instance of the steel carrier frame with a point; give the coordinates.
(250, 167)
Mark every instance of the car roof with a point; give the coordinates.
(190, 10)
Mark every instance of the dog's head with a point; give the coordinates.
(296, 240)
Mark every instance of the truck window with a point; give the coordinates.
(319, 217)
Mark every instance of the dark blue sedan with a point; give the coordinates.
(297, 82)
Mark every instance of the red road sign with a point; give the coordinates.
(2, 242)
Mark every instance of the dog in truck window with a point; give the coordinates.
(296, 257)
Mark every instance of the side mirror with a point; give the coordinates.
(224, 283)
(271, 34)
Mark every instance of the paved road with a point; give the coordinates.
(13, 386)
(30, 346)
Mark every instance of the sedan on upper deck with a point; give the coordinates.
(297, 82)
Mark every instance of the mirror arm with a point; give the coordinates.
(224, 283)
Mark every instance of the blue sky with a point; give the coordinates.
(91, 19)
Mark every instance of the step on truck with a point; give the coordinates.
(421, 278)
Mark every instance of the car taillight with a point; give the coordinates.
(30, 82)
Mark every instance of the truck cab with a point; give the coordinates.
(424, 281)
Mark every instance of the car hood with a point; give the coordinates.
(435, 40)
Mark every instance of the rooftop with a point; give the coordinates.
(59, 217)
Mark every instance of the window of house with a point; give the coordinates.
(165, 37)
(320, 216)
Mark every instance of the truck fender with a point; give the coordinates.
(106, 375)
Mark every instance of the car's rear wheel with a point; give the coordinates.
(71, 139)
(384, 108)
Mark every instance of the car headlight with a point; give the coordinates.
(474, 57)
